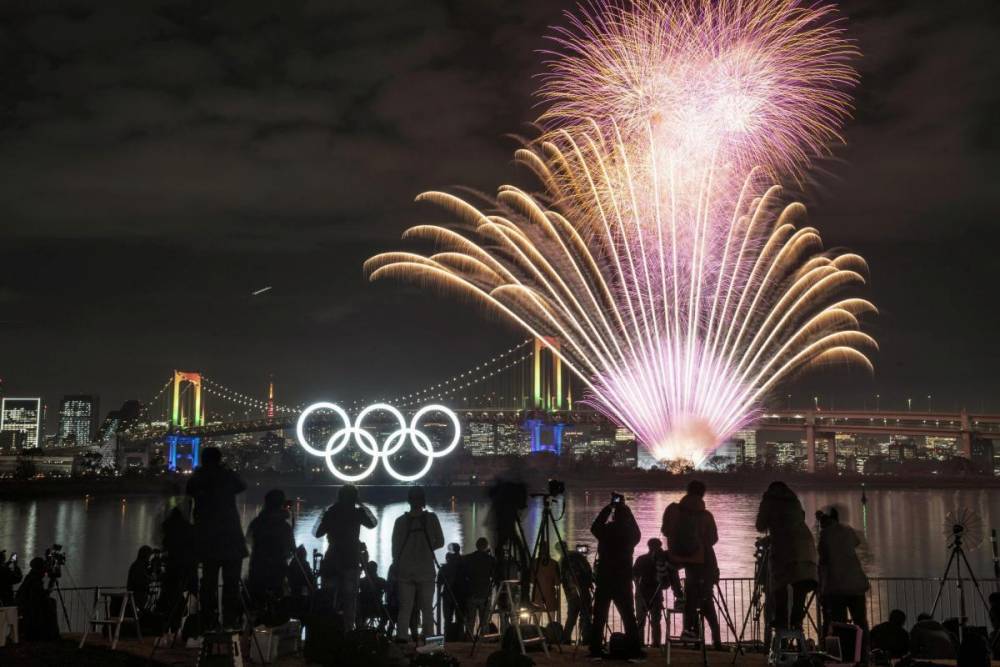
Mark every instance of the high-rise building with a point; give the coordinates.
(78, 419)
(20, 423)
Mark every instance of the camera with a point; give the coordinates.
(617, 498)
(583, 549)
(55, 559)
(556, 487)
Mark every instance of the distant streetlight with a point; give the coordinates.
(909, 404)
(816, 402)
(877, 397)
(789, 397)
(929, 403)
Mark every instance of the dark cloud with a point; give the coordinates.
(159, 160)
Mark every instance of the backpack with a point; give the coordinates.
(685, 541)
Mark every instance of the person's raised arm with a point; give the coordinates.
(322, 526)
(634, 535)
(762, 517)
(434, 533)
(597, 528)
(711, 530)
(368, 519)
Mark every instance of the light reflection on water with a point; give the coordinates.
(903, 530)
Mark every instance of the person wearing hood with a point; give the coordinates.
(691, 537)
(341, 570)
(219, 541)
(271, 545)
(792, 559)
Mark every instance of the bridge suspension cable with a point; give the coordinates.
(475, 374)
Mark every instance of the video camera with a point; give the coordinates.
(617, 498)
(55, 559)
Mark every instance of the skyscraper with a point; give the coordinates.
(20, 423)
(77, 419)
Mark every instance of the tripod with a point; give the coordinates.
(54, 585)
(761, 586)
(956, 558)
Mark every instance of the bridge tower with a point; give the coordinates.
(548, 385)
(185, 447)
(177, 416)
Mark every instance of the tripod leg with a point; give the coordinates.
(944, 580)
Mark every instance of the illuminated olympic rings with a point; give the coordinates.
(366, 441)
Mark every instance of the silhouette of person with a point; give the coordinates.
(891, 636)
(10, 574)
(372, 596)
(617, 534)
(545, 581)
(219, 542)
(842, 580)
(271, 545)
(180, 571)
(415, 536)
(691, 537)
(792, 560)
(139, 577)
(447, 581)
(36, 606)
(648, 592)
(930, 640)
(577, 579)
(477, 575)
(341, 570)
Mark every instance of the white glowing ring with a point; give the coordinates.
(366, 441)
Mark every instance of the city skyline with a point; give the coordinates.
(142, 218)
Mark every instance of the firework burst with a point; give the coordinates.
(679, 342)
(753, 83)
(682, 288)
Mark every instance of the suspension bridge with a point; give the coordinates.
(524, 384)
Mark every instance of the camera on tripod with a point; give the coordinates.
(55, 559)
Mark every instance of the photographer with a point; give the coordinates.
(10, 574)
(371, 599)
(447, 585)
(476, 572)
(577, 578)
(842, 580)
(617, 534)
(341, 569)
(181, 572)
(219, 540)
(140, 577)
(649, 591)
(792, 559)
(36, 606)
(691, 537)
(415, 536)
(271, 545)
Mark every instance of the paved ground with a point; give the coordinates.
(132, 653)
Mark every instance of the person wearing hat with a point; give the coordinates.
(271, 545)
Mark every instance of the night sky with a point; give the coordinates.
(161, 160)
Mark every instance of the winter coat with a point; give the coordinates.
(476, 571)
(341, 524)
(217, 530)
(840, 571)
(273, 543)
(793, 548)
(616, 542)
(415, 537)
(708, 533)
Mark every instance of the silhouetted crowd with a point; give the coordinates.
(176, 589)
